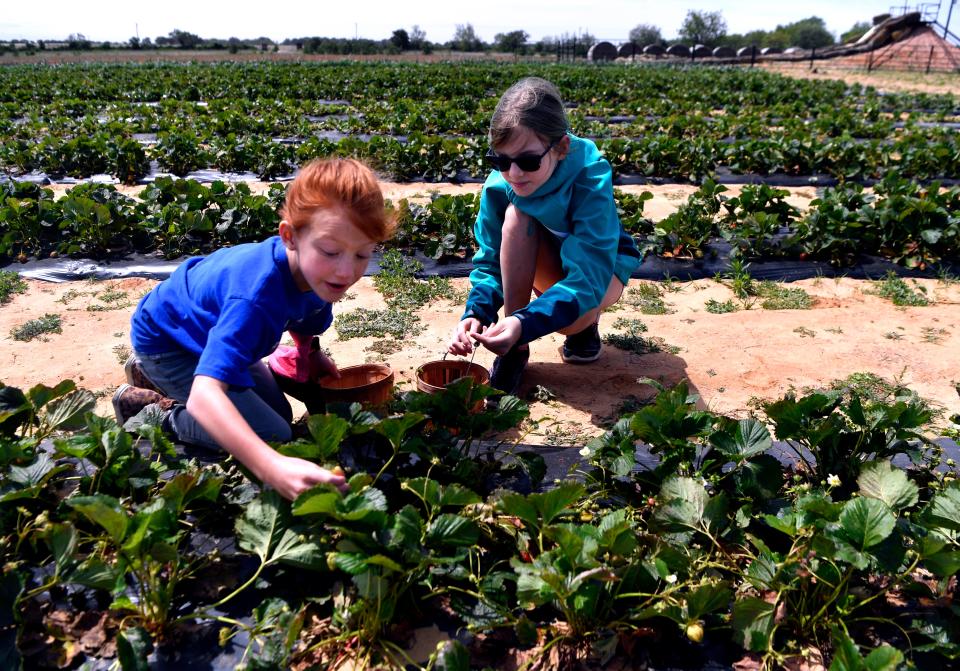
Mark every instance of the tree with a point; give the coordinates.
(511, 42)
(707, 28)
(856, 32)
(418, 38)
(465, 39)
(400, 39)
(184, 39)
(78, 41)
(644, 34)
(134, 43)
(809, 33)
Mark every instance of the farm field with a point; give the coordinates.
(761, 469)
(731, 360)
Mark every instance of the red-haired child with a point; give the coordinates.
(200, 336)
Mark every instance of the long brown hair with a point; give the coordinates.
(533, 103)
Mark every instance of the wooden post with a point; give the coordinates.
(753, 55)
(930, 59)
(813, 56)
(870, 61)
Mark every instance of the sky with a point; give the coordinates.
(118, 20)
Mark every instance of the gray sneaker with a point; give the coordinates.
(582, 347)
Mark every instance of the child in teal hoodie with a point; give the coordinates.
(548, 224)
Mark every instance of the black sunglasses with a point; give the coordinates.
(526, 162)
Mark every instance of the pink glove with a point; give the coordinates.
(294, 362)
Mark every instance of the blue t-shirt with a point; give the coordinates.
(229, 308)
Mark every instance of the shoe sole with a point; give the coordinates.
(116, 402)
(579, 359)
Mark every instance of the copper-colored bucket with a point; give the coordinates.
(433, 376)
(369, 383)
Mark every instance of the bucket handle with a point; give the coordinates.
(472, 354)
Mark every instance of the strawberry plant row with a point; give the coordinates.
(631, 89)
(81, 120)
(900, 220)
(711, 553)
(925, 156)
(403, 115)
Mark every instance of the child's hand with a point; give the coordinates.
(291, 476)
(321, 365)
(462, 343)
(500, 337)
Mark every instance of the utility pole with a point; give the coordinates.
(946, 26)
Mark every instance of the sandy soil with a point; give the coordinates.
(729, 359)
(883, 80)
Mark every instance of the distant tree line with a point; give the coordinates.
(177, 39)
(710, 29)
(699, 27)
(464, 39)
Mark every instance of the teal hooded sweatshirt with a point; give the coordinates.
(576, 206)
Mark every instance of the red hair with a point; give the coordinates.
(339, 182)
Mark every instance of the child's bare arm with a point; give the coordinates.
(209, 404)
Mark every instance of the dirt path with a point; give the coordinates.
(941, 83)
(729, 359)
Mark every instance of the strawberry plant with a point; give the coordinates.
(144, 546)
(28, 219)
(128, 160)
(179, 153)
(833, 435)
(685, 232)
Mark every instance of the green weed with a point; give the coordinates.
(648, 298)
(773, 296)
(633, 341)
(778, 297)
(110, 300)
(718, 308)
(10, 283)
(934, 335)
(872, 388)
(35, 328)
(69, 296)
(670, 284)
(123, 351)
(398, 284)
(739, 279)
(805, 332)
(899, 292)
(375, 323)
(384, 348)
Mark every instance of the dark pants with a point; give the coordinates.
(263, 406)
